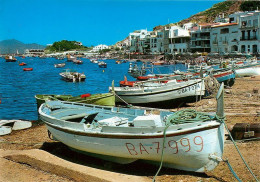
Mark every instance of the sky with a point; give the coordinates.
(91, 22)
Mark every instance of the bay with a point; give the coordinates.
(18, 87)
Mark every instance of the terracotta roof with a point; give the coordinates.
(206, 24)
(224, 25)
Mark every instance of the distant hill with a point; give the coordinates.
(11, 46)
(209, 15)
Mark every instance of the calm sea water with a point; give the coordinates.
(18, 87)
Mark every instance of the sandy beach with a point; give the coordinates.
(29, 155)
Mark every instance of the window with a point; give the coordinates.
(243, 23)
(224, 30)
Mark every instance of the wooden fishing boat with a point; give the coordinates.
(102, 64)
(225, 75)
(10, 59)
(135, 71)
(22, 64)
(105, 99)
(72, 75)
(161, 93)
(16, 124)
(247, 70)
(70, 58)
(77, 61)
(188, 140)
(27, 69)
(5, 130)
(94, 60)
(60, 65)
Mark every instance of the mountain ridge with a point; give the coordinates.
(11, 46)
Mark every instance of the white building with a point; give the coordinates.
(224, 38)
(137, 39)
(241, 34)
(100, 47)
(249, 27)
(200, 38)
(179, 39)
(78, 43)
(34, 52)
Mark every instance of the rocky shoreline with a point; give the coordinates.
(29, 155)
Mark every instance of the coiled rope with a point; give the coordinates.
(180, 117)
(190, 116)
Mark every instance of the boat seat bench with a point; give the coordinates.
(84, 115)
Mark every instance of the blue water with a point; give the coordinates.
(18, 87)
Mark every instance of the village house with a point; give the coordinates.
(100, 47)
(236, 34)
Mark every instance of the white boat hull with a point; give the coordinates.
(5, 130)
(189, 152)
(16, 124)
(171, 93)
(249, 71)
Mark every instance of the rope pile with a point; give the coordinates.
(211, 85)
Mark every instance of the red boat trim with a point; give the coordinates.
(223, 74)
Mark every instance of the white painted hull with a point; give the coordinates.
(169, 92)
(250, 71)
(16, 124)
(5, 130)
(192, 152)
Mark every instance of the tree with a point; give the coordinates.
(250, 5)
(64, 45)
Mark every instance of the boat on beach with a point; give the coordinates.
(185, 140)
(6, 126)
(161, 93)
(105, 99)
(247, 71)
(72, 75)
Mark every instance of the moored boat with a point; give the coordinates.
(72, 75)
(187, 140)
(60, 65)
(27, 69)
(70, 58)
(93, 60)
(77, 61)
(22, 64)
(102, 64)
(10, 59)
(105, 99)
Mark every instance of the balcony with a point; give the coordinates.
(246, 38)
(225, 42)
(249, 27)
